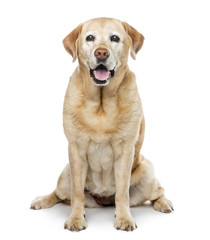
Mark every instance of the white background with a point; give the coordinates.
(173, 74)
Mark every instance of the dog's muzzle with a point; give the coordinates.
(101, 75)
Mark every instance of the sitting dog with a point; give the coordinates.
(104, 124)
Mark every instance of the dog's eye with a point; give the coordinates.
(115, 38)
(90, 38)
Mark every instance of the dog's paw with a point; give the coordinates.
(38, 203)
(127, 224)
(163, 205)
(45, 201)
(75, 224)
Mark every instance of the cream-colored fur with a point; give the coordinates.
(104, 126)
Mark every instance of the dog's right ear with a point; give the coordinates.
(70, 42)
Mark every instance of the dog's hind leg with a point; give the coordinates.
(62, 193)
(159, 201)
(45, 201)
(144, 186)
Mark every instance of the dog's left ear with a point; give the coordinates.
(137, 39)
(70, 42)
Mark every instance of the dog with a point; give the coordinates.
(104, 125)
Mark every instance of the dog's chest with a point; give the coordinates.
(100, 118)
(100, 178)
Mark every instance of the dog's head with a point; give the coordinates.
(102, 46)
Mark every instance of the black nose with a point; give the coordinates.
(101, 53)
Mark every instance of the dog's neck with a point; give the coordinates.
(102, 100)
(97, 93)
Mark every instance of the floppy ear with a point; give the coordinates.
(70, 42)
(137, 39)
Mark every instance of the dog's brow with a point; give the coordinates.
(93, 32)
(114, 33)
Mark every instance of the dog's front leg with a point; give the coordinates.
(78, 167)
(122, 169)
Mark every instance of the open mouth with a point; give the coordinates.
(101, 75)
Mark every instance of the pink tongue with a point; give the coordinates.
(101, 75)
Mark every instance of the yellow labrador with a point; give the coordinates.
(104, 124)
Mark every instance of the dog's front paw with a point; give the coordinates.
(75, 224)
(125, 223)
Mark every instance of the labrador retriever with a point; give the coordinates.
(104, 124)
